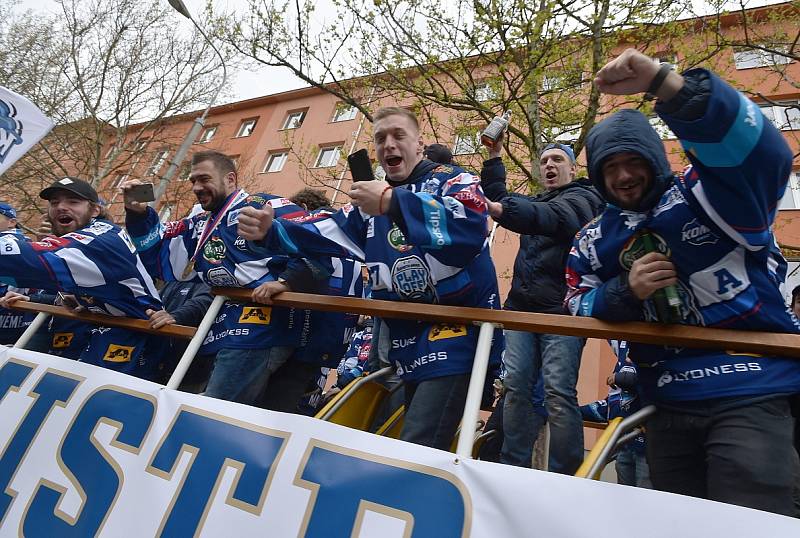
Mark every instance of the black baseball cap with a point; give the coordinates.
(73, 185)
(438, 153)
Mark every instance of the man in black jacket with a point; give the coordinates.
(547, 224)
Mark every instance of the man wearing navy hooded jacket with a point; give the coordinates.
(723, 430)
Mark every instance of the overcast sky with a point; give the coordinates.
(269, 80)
(246, 84)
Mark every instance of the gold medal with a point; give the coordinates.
(188, 270)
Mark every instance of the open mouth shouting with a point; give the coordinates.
(64, 223)
(394, 161)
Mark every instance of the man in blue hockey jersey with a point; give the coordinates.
(697, 249)
(251, 341)
(423, 235)
(95, 261)
(12, 322)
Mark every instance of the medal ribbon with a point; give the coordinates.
(234, 199)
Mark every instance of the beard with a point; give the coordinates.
(212, 202)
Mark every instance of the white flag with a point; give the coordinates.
(21, 126)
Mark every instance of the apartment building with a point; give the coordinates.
(290, 140)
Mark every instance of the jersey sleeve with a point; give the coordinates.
(98, 263)
(338, 235)
(739, 160)
(588, 294)
(451, 226)
(165, 249)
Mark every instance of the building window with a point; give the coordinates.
(791, 197)
(750, 58)
(564, 134)
(294, 119)
(275, 162)
(551, 82)
(344, 112)
(137, 152)
(158, 162)
(484, 92)
(661, 128)
(207, 134)
(118, 181)
(246, 128)
(785, 117)
(328, 156)
(467, 142)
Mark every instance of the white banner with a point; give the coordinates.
(88, 451)
(21, 126)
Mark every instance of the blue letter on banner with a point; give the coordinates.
(435, 502)
(213, 441)
(97, 478)
(12, 374)
(52, 389)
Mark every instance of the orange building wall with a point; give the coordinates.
(318, 130)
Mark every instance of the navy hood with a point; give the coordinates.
(423, 167)
(628, 131)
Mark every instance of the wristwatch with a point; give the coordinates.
(658, 80)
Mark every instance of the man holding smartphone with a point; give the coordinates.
(94, 261)
(423, 236)
(250, 341)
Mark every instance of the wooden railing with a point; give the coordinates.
(140, 325)
(764, 343)
(753, 342)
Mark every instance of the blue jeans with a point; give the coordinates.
(632, 470)
(433, 410)
(240, 375)
(558, 358)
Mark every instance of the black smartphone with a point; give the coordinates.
(360, 166)
(141, 193)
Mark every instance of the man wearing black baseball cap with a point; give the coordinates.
(73, 204)
(95, 262)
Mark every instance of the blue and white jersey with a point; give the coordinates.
(431, 247)
(715, 223)
(13, 322)
(68, 337)
(99, 265)
(326, 335)
(225, 259)
(355, 358)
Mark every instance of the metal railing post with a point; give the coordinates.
(383, 372)
(476, 382)
(597, 459)
(26, 336)
(194, 344)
